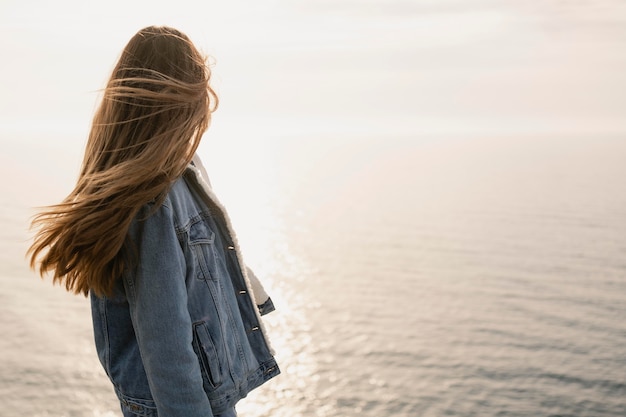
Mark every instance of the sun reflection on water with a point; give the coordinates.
(290, 393)
(256, 207)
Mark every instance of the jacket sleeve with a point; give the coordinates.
(157, 297)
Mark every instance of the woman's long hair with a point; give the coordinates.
(154, 110)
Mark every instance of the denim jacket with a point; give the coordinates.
(182, 335)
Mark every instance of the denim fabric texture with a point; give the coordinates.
(182, 335)
(229, 413)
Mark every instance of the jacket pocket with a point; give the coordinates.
(201, 242)
(207, 355)
(135, 407)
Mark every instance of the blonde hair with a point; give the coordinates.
(154, 110)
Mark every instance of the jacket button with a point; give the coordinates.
(231, 248)
(242, 292)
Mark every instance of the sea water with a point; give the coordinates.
(415, 276)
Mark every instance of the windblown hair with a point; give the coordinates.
(154, 110)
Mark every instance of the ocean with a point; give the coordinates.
(413, 276)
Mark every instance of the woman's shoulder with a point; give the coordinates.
(166, 206)
(178, 208)
(181, 201)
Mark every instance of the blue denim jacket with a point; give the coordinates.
(183, 336)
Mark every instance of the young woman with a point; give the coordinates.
(176, 313)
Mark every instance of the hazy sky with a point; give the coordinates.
(340, 66)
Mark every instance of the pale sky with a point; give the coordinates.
(341, 66)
